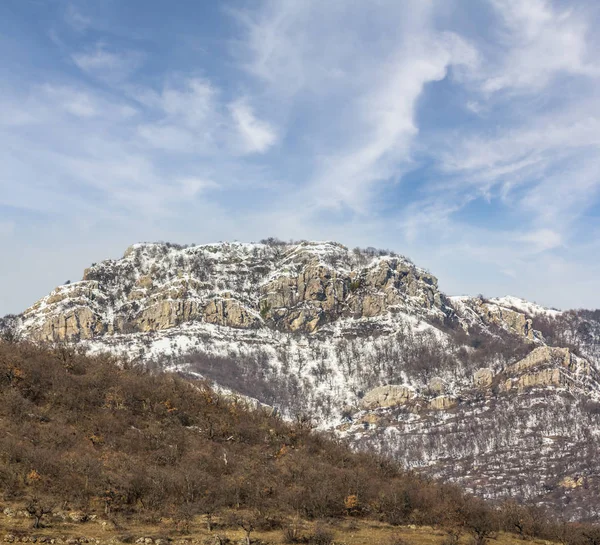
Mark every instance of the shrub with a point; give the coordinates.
(321, 536)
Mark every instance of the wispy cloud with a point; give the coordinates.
(108, 65)
(541, 41)
(76, 19)
(256, 136)
(308, 49)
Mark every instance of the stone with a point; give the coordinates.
(547, 377)
(437, 385)
(442, 403)
(77, 516)
(390, 395)
(540, 356)
(144, 281)
(483, 377)
(229, 312)
(572, 482)
(514, 321)
(371, 419)
(71, 325)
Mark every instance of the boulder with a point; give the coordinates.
(572, 482)
(437, 385)
(390, 395)
(483, 377)
(442, 403)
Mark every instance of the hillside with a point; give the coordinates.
(94, 439)
(500, 395)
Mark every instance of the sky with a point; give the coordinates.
(464, 134)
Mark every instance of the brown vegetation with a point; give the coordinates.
(85, 433)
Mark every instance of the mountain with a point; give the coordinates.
(501, 395)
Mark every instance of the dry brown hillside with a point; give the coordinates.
(132, 449)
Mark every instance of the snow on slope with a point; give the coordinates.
(527, 307)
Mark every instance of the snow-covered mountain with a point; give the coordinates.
(502, 395)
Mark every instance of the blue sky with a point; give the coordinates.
(464, 134)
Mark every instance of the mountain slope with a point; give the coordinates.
(499, 394)
(90, 434)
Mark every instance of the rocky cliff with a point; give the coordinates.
(292, 288)
(501, 394)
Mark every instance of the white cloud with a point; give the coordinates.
(542, 239)
(191, 186)
(75, 102)
(541, 42)
(190, 116)
(191, 105)
(386, 122)
(256, 136)
(546, 168)
(103, 64)
(184, 116)
(76, 19)
(47, 103)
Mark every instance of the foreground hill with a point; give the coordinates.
(92, 439)
(500, 395)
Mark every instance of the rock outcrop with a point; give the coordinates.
(443, 403)
(483, 378)
(231, 313)
(512, 320)
(74, 324)
(390, 395)
(543, 355)
(296, 288)
(543, 366)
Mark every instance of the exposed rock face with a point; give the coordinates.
(299, 288)
(547, 377)
(390, 395)
(543, 355)
(572, 482)
(319, 293)
(75, 324)
(543, 366)
(164, 315)
(442, 403)
(69, 313)
(492, 313)
(437, 385)
(229, 312)
(503, 317)
(483, 378)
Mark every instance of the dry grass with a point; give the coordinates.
(345, 532)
